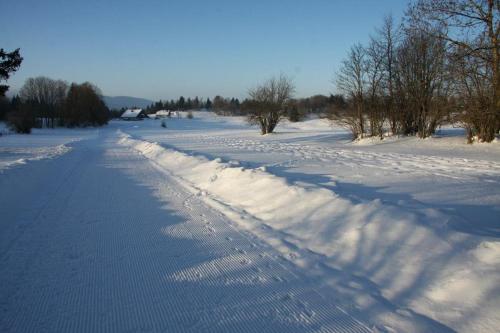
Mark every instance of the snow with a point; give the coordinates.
(488, 252)
(310, 229)
(77, 256)
(41, 144)
(34, 154)
(131, 113)
(410, 217)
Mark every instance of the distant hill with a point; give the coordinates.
(118, 102)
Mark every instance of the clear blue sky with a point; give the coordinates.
(164, 49)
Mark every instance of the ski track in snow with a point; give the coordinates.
(414, 263)
(101, 240)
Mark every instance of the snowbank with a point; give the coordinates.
(30, 154)
(412, 257)
(311, 124)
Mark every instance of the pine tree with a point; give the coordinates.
(9, 63)
(181, 103)
(208, 104)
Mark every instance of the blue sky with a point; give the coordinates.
(164, 49)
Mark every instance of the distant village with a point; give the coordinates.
(140, 114)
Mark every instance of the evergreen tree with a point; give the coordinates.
(9, 63)
(181, 103)
(4, 107)
(208, 104)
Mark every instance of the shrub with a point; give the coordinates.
(22, 119)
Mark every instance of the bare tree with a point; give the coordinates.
(421, 74)
(473, 96)
(387, 38)
(471, 28)
(47, 97)
(351, 80)
(374, 99)
(268, 102)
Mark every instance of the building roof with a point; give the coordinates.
(131, 113)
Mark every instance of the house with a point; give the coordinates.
(162, 114)
(133, 114)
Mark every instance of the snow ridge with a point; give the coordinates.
(412, 257)
(34, 154)
(263, 195)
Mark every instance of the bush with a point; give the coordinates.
(294, 115)
(21, 120)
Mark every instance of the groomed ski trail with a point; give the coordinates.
(99, 240)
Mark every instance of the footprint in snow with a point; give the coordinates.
(308, 312)
(239, 250)
(245, 261)
(259, 279)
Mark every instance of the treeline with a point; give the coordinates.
(220, 105)
(295, 109)
(181, 104)
(227, 106)
(439, 65)
(45, 102)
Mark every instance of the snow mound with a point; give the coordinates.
(315, 217)
(312, 124)
(261, 194)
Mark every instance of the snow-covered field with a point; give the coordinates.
(301, 230)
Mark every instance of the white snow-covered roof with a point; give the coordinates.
(162, 112)
(131, 113)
